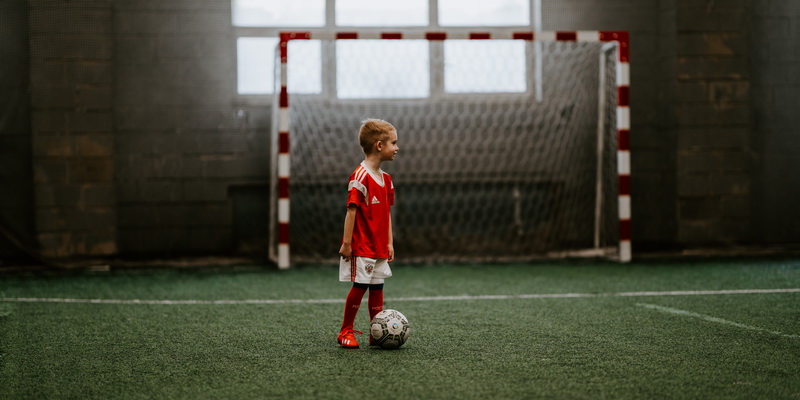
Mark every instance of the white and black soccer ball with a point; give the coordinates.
(389, 329)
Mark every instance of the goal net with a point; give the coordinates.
(505, 155)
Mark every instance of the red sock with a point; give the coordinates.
(351, 305)
(375, 302)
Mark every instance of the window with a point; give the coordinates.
(484, 13)
(411, 63)
(403, 72)
(305, 66)
(256, 60)
(381, 13)
(470, 66)
(253, 56)
(278, 13)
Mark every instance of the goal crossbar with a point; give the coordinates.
(281, 253)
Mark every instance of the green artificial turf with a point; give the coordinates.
(604, 346)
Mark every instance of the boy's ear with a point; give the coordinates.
(379, 145)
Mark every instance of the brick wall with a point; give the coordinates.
(692, 161)
(182, 137)
(71, 85)
(135, 142)
(653, 143)
(712, 117)
(775, 62)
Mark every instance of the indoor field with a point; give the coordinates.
(568, 199)
(575, 330)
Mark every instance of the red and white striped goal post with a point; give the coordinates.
(623, 109)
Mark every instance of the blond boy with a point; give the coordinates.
(367, 243)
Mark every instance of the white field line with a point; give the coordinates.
(717, 320)
(422, 298)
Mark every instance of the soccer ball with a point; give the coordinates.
(389, 329)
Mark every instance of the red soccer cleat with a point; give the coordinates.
(347, 338)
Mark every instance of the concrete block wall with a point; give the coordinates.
(138, 144)
(775, 90)
(653, 141)
(692, 159)
(711, 106)
(72, 130)
(183, 138)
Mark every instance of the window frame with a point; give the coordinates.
(435, 57)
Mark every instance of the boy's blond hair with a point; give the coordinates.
(373, 130)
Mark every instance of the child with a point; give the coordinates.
(367, 246)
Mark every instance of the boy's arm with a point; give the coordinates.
(346, 251)
(391, 240)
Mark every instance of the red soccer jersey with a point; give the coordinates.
(373, 195)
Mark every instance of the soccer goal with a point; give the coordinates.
(513, 145)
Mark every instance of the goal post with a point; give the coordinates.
(481, 175)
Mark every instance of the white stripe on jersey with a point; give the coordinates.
(358, 176)
(358, 186)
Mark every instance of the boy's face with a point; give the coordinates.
(388, 148)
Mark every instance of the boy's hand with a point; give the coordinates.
(391, 253)
(346, 251)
